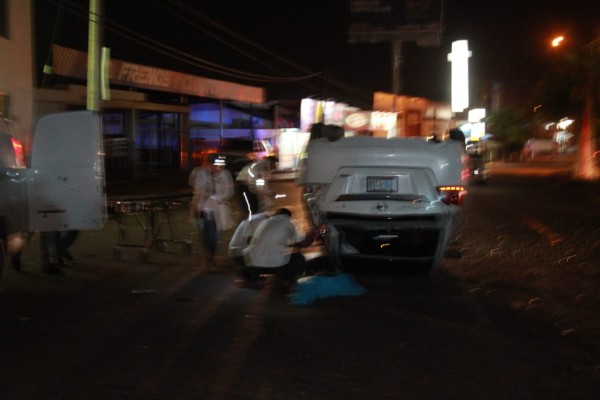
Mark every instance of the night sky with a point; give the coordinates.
(275, 39)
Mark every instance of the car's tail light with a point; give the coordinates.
(19, 153)
(452, 194)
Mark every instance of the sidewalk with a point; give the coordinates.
(128, 234)
(123, 241)
(171, 184)
(125, 237)
(163, 185)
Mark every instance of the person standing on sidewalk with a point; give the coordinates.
(213, 187)
(54, 250)
(67, 238)
(217, 210)
(201, 181)
(50, 253)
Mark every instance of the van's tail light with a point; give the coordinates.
(19, 153)
(452, 194)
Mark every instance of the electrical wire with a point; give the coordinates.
(173, 53)
(178, 54)
(190, 10)
(185, 17)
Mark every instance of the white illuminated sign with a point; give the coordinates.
(476, 115)
(459, 57)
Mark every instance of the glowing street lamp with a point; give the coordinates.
(557, 41)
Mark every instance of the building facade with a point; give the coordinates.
(16, 67)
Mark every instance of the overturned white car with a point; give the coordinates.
(386, 200)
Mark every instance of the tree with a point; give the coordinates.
(571, 88)
(510, 129)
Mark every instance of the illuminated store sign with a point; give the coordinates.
(73, 63)
(460, 75)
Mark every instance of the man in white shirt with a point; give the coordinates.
(271, 249)
(243, 233)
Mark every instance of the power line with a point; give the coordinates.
(223, 28)
(184, 57)
(178, 54)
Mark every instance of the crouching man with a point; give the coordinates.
(274, 249)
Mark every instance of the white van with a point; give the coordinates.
(63, 188)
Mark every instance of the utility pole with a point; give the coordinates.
(397, 61)
(93, 68)
(585, 168)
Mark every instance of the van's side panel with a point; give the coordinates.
(67, 188)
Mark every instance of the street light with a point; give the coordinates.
(585, 168)
(557, 41)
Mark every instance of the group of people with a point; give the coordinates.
(54, 250)
(264, 243)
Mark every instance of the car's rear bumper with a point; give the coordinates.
(417, 238)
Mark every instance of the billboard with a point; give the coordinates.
(395, 17)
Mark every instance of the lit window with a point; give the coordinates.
(4, 18)
(3, 103)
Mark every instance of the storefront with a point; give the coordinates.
(157, 120)
(416, 116)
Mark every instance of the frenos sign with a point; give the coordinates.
(73, 63)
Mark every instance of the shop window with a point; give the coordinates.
(3, 104)
(4, 18)
(112, 123)
(157, 141)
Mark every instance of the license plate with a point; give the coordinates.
(382, 184)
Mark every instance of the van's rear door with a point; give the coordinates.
(67, 187)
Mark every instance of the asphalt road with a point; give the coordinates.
(514, 317)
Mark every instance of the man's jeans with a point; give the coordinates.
(208, 229)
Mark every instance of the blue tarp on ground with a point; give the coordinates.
(311, 288)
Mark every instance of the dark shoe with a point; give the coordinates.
(284, 285)
(16, 263)
(247, 284)
(209, 263)
(67, 256)
(52, 269)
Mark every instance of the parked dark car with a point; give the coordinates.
(235, 152)
(478, 168)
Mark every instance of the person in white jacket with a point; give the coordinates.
(213, 188)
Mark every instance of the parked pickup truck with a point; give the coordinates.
(395, 201)
(63, 187)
